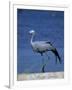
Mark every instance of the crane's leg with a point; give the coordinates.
(43, 64)
(43, 68)
(47, 55)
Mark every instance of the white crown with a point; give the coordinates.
(31, 31)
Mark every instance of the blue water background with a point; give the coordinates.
(48, 25)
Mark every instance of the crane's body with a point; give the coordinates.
(43, 47)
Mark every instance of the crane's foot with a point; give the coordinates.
(43, 68)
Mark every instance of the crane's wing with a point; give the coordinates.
(56, 54)
(43, 42)
(41, 46)
(54, 50)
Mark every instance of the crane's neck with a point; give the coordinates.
(32, 38)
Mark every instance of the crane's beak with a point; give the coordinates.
(29, 32)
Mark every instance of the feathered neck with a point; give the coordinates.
(32, 38)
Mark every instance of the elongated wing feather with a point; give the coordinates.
(56, 54)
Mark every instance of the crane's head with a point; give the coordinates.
(32, 32)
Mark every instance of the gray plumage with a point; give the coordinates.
(43, 47)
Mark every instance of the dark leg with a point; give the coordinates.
(43, 65)
(43, 68)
